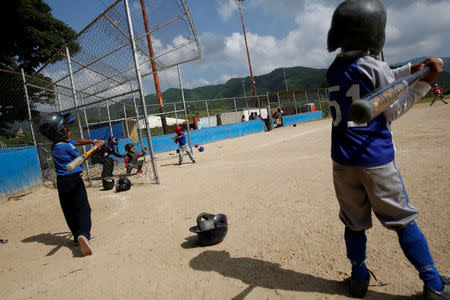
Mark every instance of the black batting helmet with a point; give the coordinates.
(128, 146)
(358, 25)
(108, 183)
(211, 229)
(54, 126)
(123, 184)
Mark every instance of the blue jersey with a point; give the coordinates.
(63, 153)
(182, 141)
(351, 77)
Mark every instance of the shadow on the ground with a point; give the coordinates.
(259, 273)
(169, 164)
(59, 240)
(191, 242)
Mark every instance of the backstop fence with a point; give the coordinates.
(113, 69)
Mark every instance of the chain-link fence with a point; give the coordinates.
(134, 48)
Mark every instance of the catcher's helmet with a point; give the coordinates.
(53, 126)
(123, 184)
(358, 25)
(128, 147)
(210, 229)
(108, 183)
(113, 140)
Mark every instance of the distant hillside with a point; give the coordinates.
(417, 60)
(297, 78)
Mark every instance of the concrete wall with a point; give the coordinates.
(231, 117)
(20, 171)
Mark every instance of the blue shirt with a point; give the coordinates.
(182, 141)
(368, 144)
(63, 153)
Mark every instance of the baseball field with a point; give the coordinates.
(285, 240)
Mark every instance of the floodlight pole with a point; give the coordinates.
(154, 69)
(238, 2)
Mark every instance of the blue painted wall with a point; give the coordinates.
(164, 143)
(20, 170)
(101, 131)
(294, 119)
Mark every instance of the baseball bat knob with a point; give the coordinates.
(361, 111)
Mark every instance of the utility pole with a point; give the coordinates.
(238, 3)
(154, 69)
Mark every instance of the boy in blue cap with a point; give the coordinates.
(71, 190)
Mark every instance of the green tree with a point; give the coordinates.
(33, 38)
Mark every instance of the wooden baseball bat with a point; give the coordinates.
(79, 160)
(373, 104)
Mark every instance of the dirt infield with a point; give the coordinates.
(285, 239)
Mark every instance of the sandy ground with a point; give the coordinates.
(285, 239)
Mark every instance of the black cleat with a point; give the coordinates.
(444, 294)
(357, 287)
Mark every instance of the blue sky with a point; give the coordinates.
(283, 33)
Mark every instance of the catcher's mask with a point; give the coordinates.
(211, 229)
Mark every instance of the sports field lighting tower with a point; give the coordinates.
(238, 3)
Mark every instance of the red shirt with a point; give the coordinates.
(437, 90)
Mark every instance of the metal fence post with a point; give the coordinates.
(85, 119)
(235, 110)
(137, 122)
(207, 112)
(74, 94)
(126, 120)
(141, 88)
(185, 110)
(58, 99)
(279, 102)
(30, 123)
(320, 102)
(295, 103)
(176, 115)
(109, 120)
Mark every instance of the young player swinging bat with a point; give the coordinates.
(366, 109)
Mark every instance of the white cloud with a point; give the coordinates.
(226, 9)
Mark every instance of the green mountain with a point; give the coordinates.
(297, 78)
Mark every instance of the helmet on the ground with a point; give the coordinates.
(211, 229)
(358, 25)
(54, 126)
(113, 140)
(201, 149)
(178, 129)
(123, 184)
(108, 183)
(128, 146)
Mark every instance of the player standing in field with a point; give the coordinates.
(180, 138)
(437, 91)
(364, 171)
